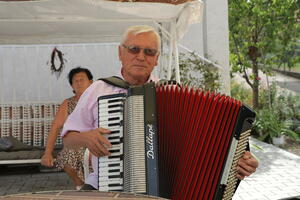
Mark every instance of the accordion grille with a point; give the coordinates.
(232, 179)
(134, 146)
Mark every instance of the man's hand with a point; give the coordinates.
(246, 165)
(47, 160)
(96, 142)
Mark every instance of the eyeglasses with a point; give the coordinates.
(135, 50)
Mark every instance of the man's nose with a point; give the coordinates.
(141, 55)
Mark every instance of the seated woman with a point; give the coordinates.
(70, 160)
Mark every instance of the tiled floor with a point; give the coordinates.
(277, 177)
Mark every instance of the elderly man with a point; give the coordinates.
(138, 53)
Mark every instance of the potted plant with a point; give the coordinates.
(272, 129)
(197, 73)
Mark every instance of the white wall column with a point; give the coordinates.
(216, 37)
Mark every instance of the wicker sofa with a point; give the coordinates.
(26, 126)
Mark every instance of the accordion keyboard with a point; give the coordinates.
(111, 167)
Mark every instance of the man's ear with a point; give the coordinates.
(157, 56)
(119, 51)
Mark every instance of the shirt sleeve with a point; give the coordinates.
(84, 116)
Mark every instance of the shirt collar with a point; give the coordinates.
(150, 79)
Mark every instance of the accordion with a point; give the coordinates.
(173, 142)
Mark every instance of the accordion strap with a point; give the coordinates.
(116, 81)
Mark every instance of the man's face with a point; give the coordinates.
(138, 66)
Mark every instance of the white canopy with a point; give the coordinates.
(86, 21)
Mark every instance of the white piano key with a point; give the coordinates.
(115, 188)
(106, 105)
(118, 140)
(108, 169)
(116, 154)
(106, 112)
(116, 146)
(105, 181)
(110, 99)
(106, 160)
(116, 163)
(114, 136)
(108, 174)
(106, 116)
(115, 123)
(119, 129)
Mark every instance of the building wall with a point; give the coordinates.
(25, 74)
(211, 37)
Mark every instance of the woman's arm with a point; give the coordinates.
(57, 124)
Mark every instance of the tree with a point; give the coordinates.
(258, 31)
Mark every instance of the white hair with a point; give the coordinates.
(135, 30)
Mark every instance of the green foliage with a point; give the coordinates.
(271, 26)
(195, 73)
(263, 34)
(291, 56)
(240, 92)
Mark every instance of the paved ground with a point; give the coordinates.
(278, 177)
(29, 179)
(289, 83)
(285, 82)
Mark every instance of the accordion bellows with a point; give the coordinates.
(196, 130)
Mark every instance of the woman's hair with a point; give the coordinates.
(135, 30)
(78, 70)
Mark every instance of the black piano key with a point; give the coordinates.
(114, 185)
(113, 118)
(112, 157)
(115, 131)
(113, 137)
(115, 106)
(113, 170)
(114, 165)
(114, 143)
(115, 176)
(114, 151)
(119, 156)
(115, 111)
(115, 100)
(114, 124)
